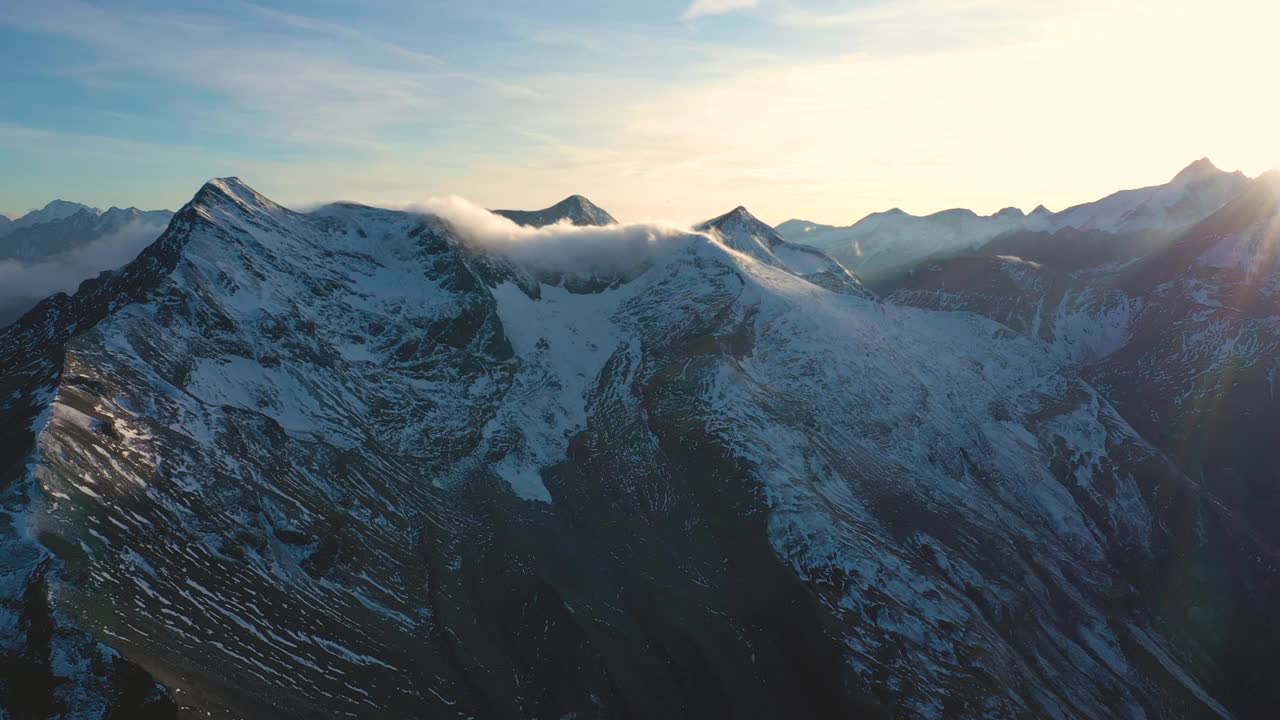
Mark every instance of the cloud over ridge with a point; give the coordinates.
(562, 247)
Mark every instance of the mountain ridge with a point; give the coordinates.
(358, 448)
(882, 245)
(51, 212)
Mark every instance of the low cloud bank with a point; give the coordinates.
(23, 283)
(562, 247)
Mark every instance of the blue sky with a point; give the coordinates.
(672, 110)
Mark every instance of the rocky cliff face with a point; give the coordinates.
(360, 463)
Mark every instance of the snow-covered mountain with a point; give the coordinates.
(365, 463)
(1195, 193)
(54, 211)
(882, 246)
(741, 231)
(1198, 370)
(1183, 339)
(68, 233)
(56, 255)
(575, 209)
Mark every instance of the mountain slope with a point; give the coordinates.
(576, 209)
(883, 246)
(1183, 335)
(1198, 370)
(4, 225)
(359, 463)
(1185, 340)
(1081, 314)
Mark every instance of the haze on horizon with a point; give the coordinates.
(672, 110)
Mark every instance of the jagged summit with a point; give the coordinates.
(738, 215)
(1199, 170)
(129, 229)
(576, 209)
(740, 224)
(740, 230)
(235, 190)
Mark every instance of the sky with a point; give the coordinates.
(673, 110)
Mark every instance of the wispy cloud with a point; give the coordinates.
(296, 79)
(706, 8)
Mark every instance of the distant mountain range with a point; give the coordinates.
(54, 234)
(54, 211)
(57, 247)
(357, 462)
(885, 244)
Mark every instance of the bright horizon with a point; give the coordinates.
(674, 111)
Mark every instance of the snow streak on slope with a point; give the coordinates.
(563, 342)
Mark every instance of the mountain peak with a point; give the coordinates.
(234, 189)
(1198, 170)
(744, 232)
(66, 207)
(738, 215)
(577, 209)
(575, 201)
(54, 211)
